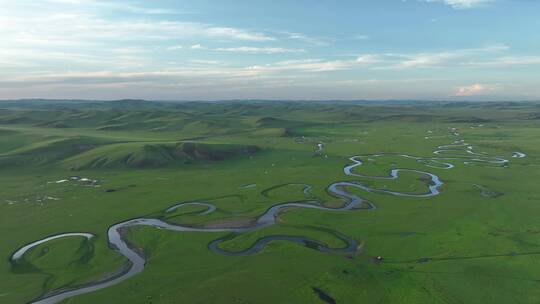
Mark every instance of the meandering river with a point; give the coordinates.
(457, 151)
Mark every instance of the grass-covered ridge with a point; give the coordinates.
(49, 151)
(148, 155)
(83, 152)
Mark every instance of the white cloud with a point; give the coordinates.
(368, 59)
(305, 38)
(175, 48)
(237, 34)
(110, 5)
(101, 44)
(462, 4)
(260, 50)
(206, 62)
(422, 60)
(362, 37)
(307, 65)
(48, 28)
(201, 70)
(197, 47)
(249, 50)
(473, 90)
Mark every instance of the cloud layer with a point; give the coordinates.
(105, 49)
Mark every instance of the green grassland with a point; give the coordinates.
(476, 242)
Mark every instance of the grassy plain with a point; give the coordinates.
(461, 246)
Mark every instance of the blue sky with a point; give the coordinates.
(281, 49)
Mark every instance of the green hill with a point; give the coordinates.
(144, 155)
(48, 152)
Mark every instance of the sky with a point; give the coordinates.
(280, 49)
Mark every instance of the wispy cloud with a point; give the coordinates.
(242, 49)
(235, 33)
(50, 36)
(462, 4)
(362, 37)
(306, 39)
(175, 47)
(444, 58)
(47, 28)
(369, 59)
(117, 6)
(260, 50)
(202, 70)
(505, 61)
(307, 65)
(132, 45)
(206, 62)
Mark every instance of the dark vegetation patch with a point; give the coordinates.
(474, 120)
(270, 122)
(423, 260)
(325, 297)
(113, 190)
(283, 127)
(532, 116)
(377, 260)
(53, 124)
(486, 192)
(408, 118)
(273, 132)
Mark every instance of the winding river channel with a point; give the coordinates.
(457, 151)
